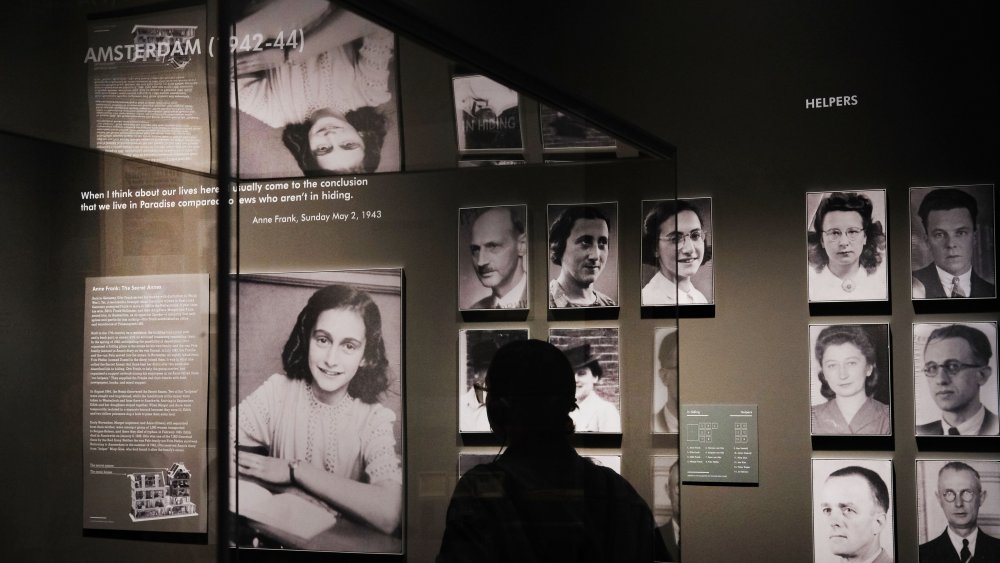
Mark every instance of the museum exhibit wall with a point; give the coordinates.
(727, 85)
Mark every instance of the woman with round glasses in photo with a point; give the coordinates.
(319, 428)
(847, 250)
(848, 377)
(673, 241)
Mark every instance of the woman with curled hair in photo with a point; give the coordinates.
(674, 241)
(330, 105)
(319, 427)
(847, 250)
(848, 378)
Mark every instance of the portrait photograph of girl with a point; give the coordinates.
(847, 254)
(849, 380)
(317, 410)
(677, 252)
(314, 91)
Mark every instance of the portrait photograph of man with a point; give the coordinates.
(847, 252)
(594, 355)
(852, 511)
(958, 511)
(677, 267)
(955, 379)
(849, 380)
(953, 242)
(665, 381)
(667, 503)
(583, 256)
(493, 258)
(475, 352)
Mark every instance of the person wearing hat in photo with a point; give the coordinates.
(594, 413)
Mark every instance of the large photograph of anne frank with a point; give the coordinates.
(958, 510)
(314, 91)
(596, 360)
(667, 504)
(665, 381)
(853, 510)
(850, 385)
(316, 428)
(847, 254)
(487, 115)
(955, 379)
(583, 255)
(476, 349)
(493, 257)
(953, 242)
(677, 252)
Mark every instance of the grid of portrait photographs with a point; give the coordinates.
(318, 412)
(595, 357)
(666, 406)
(476, 349)
(666, 502)
(320, 99)
(954, 379)
(847, 250)
(677, 267)
(583, 255)
(953, 242)
(958, 510)
(850, 380)
(493, 257)
(853, 510)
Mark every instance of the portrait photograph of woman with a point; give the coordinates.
(677, 252)
(317, 410)
(321, 100)
(583, 255)
(850, 380)
(847, 249)
(596, 361)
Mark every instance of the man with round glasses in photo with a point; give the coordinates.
(960, 494)
(957, 365)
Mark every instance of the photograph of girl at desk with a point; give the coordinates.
(316, 453)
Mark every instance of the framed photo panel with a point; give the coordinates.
(850, 380)
(487, 115)
(847, 249)
(955, 379)
(677, 266)
(596, 360)
(583, 255)
(958, 499)
(665, 381)
(475, 352)
(493, 257)
(318, 399)
(667, 502)
(953, 242)
(853, 510)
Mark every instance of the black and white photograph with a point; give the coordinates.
(847, 248)
(955, 379)
(850, 380)
(667, 503)
(563, 130)
(583, 255)
(486, 163)
(595, 356)
(493, 257)
(475, 352)
(958, 510)
(314, 93)
(665, 381)
(677, 266)
(317, 424)
(487, 115)
(953, 242)
(853, 510)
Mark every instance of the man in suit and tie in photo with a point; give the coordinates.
(671, 531)
(949, 219)
(960, 494)
(498, 247)
(957, 365)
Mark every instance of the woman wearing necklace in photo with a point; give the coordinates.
(847, 251)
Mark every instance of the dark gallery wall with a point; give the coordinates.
(726, 83)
